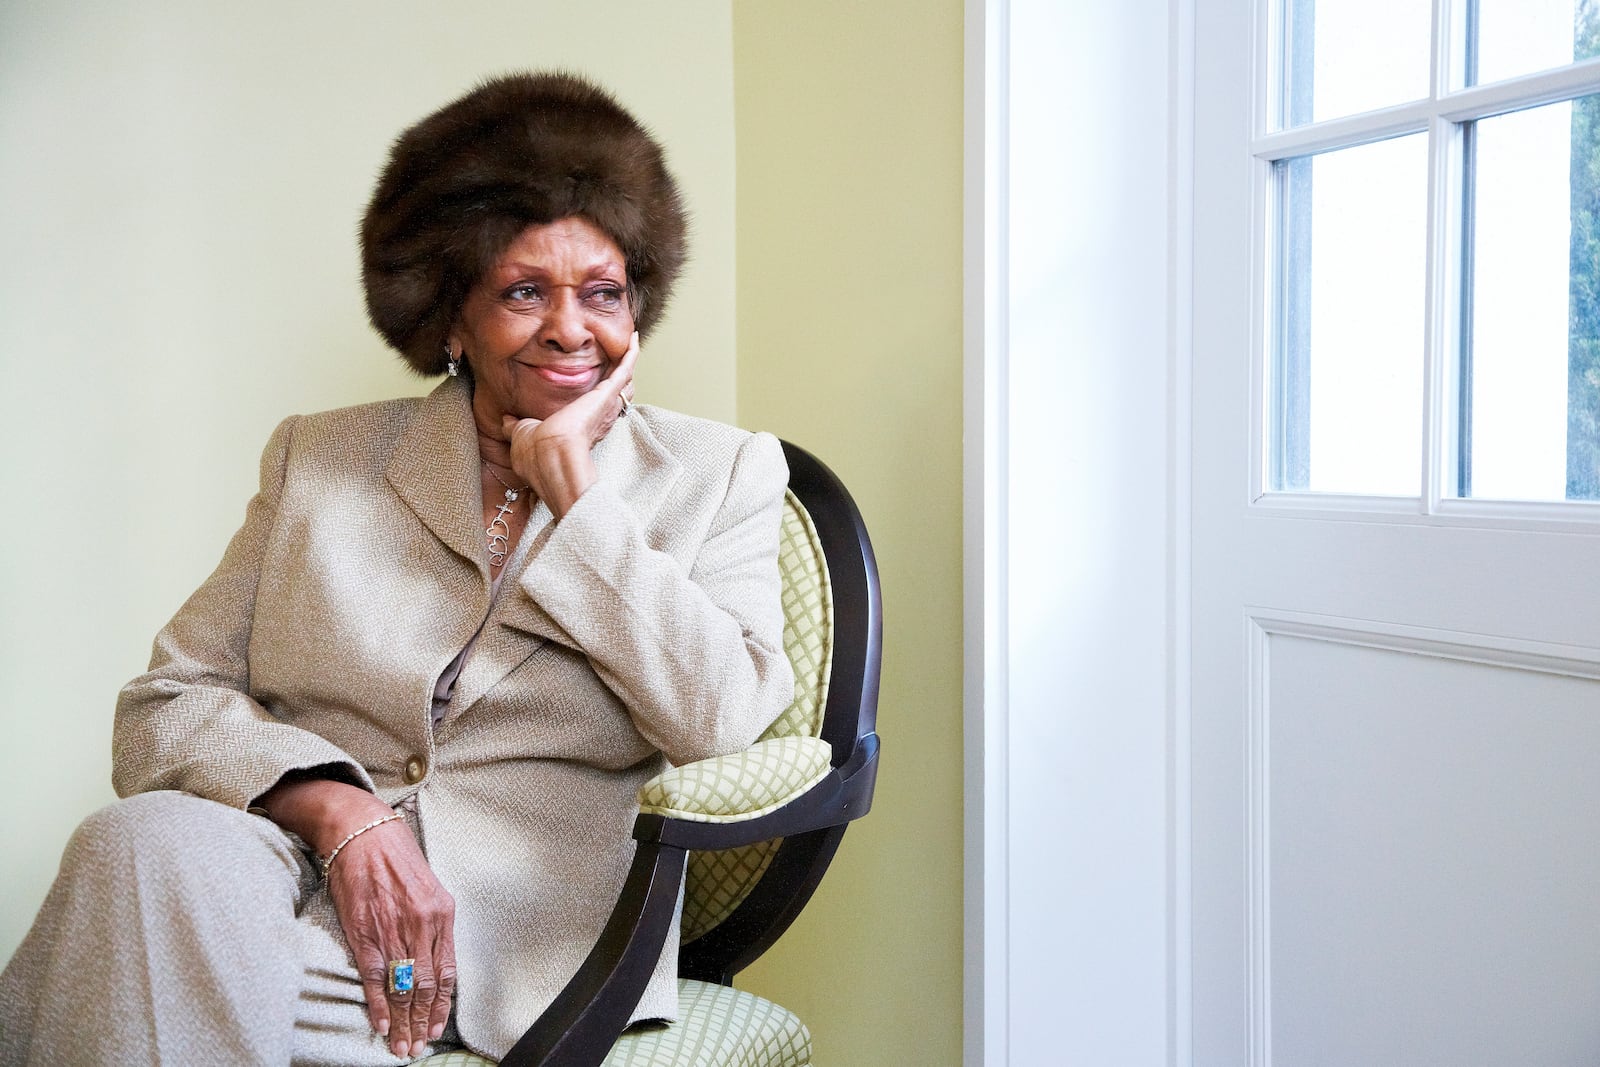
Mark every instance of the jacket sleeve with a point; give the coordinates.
(697, 657)
(189, 722)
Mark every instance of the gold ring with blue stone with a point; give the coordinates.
(402, 975)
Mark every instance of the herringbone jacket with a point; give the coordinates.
(643, 627)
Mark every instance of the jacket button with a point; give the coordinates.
(415, 769)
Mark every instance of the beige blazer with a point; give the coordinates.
(644, 627)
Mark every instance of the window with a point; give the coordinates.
(1432, 211)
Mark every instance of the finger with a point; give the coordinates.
(413, 1025)
(428, 1016)
(512, 427)
(374, 973)
(400, 1031)
(431, 930)
(445, 962)
(400, 1003)
(623, 375)
(620, 373)
(621, 383)
(372, 966)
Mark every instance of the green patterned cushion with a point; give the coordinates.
(742, 786)
(807, 622)
(716, 883)
(455, 1058)
(717, 1027)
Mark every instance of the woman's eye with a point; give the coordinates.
(523, 292)
(607, 297)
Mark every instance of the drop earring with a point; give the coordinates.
(452, 364)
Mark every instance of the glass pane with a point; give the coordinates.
(1511, 37)
(1346, 389)
(1531, 365)
(1345, 56)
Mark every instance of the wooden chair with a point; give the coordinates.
(749, 835)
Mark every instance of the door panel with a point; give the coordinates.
(1395, 732)
(1424, 853)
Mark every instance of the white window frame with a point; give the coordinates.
(1440, 116)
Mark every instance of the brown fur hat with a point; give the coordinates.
(519, 150)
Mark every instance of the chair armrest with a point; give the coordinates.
(840, 795)
(744, 785)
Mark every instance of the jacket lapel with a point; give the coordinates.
(435, 470)
(634, 465)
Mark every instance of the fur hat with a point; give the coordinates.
(519, 150)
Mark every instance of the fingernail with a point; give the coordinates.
(436, 1032)
(383, 1028)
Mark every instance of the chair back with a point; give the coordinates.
(738, 901)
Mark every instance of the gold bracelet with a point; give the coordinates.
(328, 863)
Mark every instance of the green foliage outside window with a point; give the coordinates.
(1583, 308)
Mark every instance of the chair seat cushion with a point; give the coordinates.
(717, 1027)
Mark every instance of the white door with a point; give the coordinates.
(1395, 777)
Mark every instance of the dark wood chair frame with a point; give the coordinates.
(584, 1021)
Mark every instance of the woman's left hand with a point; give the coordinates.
(553, 455)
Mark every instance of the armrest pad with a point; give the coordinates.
(745, 785)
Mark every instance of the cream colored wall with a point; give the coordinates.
(180, 187)
(850, 150)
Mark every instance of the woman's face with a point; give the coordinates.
(547, 322)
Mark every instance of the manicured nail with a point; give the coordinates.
(383, 1027)
(437, 1032)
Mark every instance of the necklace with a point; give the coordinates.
(499, 532)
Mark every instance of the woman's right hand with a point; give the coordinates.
(392, 907)
(390, 904)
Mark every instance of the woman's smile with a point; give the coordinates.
(580, 378)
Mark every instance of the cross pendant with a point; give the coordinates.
(499, 534)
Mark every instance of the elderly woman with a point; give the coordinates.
(380, 775)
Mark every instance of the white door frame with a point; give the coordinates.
(1076, 498)
(984, 878)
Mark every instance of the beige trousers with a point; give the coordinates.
(183, 932)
